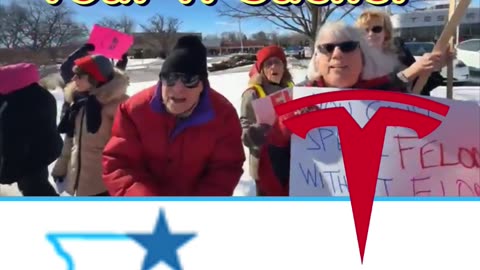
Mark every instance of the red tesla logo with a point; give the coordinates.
(361, 147)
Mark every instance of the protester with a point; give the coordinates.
(94, 94)
(342, 59)
(29, 140)
(379, 33)
(66, 69)
(177, 138)
(269, 75)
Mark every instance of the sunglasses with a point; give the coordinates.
(376, 29)
(272, 61)
(80, 74)
(345, 47)
(190, 81)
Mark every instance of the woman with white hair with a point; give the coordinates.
(342, 59)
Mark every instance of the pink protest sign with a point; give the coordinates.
(109, 42)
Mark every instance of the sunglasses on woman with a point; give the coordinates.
(190, 81)
(345, 47)
(272, 61)
(376, 29)
(80, 74)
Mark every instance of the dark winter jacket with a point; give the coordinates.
(153, 153)
(28, 128)
(274, 166)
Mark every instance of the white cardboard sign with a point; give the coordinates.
(444, 163)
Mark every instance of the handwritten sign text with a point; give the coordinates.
(444, 163)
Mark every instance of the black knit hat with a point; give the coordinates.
(189, 56)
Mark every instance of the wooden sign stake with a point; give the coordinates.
(444, 39)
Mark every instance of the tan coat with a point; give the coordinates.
(248, 118)
(81, 158)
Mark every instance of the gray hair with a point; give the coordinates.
(375, 62)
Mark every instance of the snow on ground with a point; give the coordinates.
(231, 83)
(140, 62)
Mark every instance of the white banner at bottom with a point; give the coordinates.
(236, 235)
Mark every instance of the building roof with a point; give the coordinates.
(212, 43)
(431, 17)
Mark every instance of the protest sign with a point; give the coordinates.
(444, 163)
(264, 107)
(109, 42)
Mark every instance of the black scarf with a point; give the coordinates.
(93, 110)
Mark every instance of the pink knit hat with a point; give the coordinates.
(17, 76)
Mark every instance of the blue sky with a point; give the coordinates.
(193, 17)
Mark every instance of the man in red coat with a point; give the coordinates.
(177, 138)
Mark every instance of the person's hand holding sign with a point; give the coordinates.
(448, 56)
(426, 64)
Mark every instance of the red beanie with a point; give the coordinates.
(267, 52)
(97, 66)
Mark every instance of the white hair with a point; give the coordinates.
(376, 63)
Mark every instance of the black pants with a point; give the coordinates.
(102, 194)
(36, 184)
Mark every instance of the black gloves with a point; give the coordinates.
(257, 133)
(88, 47)
(122, 64)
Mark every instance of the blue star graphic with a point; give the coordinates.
(161, 245)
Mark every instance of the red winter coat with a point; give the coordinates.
(274, 165)
(151, 153)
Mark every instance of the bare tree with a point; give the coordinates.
(163, 29)
(304, 19)
(260, 37)
(211, 37)
(13, 19)
(45, 27)
(229, 36)
(285, 40)
(273, 37)
(67, 32)
(123, 24)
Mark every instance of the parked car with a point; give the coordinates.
(468, 52)
(295, 51)
(307, 52)
(460, 70)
